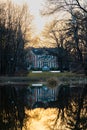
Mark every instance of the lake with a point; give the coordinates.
(26, 107)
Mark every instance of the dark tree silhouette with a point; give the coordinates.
(12, 107)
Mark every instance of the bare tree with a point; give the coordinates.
(56, 37)
(78, 13)
(15, 21)
(53, 6)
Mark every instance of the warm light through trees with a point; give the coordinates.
(71, 36)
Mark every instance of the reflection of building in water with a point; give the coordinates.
(42, 94)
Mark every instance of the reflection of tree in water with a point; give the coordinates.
(69, 112)
(72, 108)
(11, 107)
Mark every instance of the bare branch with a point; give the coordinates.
(81, 6)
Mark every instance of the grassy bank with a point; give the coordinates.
(64, 77)
(45, 75)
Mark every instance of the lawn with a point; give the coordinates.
(45, 75)
(66, 76)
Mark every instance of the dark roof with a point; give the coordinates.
(38, 51)
(41, 51)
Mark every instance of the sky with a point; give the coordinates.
(39, 21)
(34, 7)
